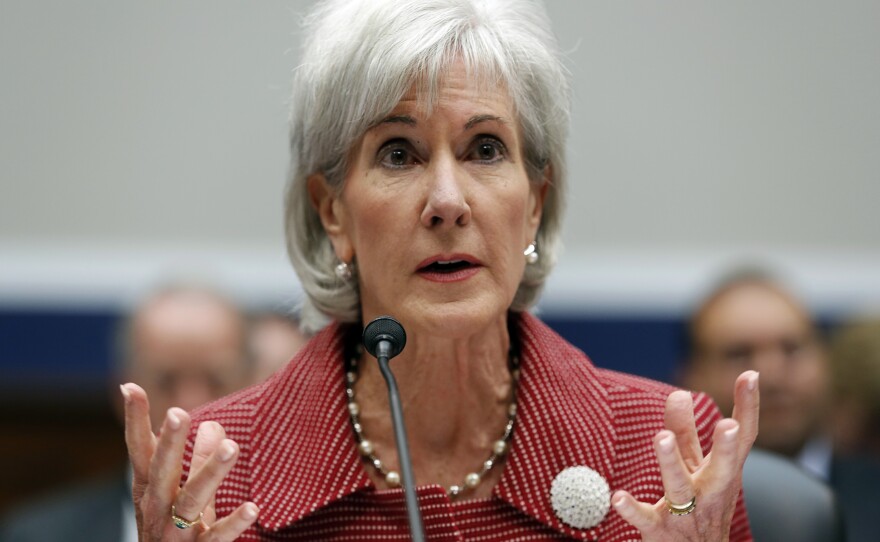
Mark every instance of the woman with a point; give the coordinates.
(428, 165)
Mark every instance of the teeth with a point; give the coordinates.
(442, 262)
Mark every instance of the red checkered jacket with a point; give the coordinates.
(299, 462)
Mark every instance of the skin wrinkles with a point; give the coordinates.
(451, 189)
(444, 199)
(401, 132)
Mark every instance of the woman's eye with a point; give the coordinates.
(396, 155)
(487, 150)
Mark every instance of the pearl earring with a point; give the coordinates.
(344, 271)
(531, 254)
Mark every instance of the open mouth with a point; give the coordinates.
(450, 266)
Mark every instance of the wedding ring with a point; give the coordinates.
(182, 523)
(681, 509)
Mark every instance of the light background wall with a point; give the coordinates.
(142, 138)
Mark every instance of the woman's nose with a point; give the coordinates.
(446, 203)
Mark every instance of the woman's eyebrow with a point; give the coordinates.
(477, 119)
(394, 119)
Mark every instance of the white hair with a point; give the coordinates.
(359, 59)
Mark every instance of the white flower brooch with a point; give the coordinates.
(580, 497)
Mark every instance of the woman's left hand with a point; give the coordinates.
(714, 481)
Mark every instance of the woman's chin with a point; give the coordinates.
(455, 320)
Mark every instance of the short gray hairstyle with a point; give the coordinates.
(360, 57)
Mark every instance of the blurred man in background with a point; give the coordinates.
(185, 345)
(751, 322)
(274, 339)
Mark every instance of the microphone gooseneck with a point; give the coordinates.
(384, 338)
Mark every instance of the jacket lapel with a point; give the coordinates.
(563, 420)
(304, 456)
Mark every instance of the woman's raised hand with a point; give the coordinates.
(701, 492)
(165, 510)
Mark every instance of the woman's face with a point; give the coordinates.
(436, 210)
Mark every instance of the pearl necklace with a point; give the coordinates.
(392, 477)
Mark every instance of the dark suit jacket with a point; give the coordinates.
(857, 484)
(787, 503)
(89, 513)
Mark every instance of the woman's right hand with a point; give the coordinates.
(157, 463)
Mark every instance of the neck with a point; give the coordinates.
(455, 394)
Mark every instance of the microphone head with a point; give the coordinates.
(384, 328)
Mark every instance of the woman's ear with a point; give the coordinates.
(331, 210)
(537, 195)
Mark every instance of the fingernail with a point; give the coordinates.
(226, 451)
(126, 395)
(753, 381)
(173, 420)
(666, 444)
(202, 430)
(730, 434)
(250, 511)
(619, 503)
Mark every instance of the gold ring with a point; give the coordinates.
(681, 509)
(182, 523)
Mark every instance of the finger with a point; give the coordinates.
(747, 403)
(233, 525)
(199, 490)
(677, 483)
(139, 437)
(167, 461)
(679, 418)
(208, 437)
(640, 515)
(724, 464)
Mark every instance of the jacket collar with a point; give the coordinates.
(563, 420)
(304, 456)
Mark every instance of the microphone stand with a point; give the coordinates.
(409, 491)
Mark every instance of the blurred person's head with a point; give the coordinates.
(185, 345)
(749, 321)
(855, 367)
(273, 341)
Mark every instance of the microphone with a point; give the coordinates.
(384, 338)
